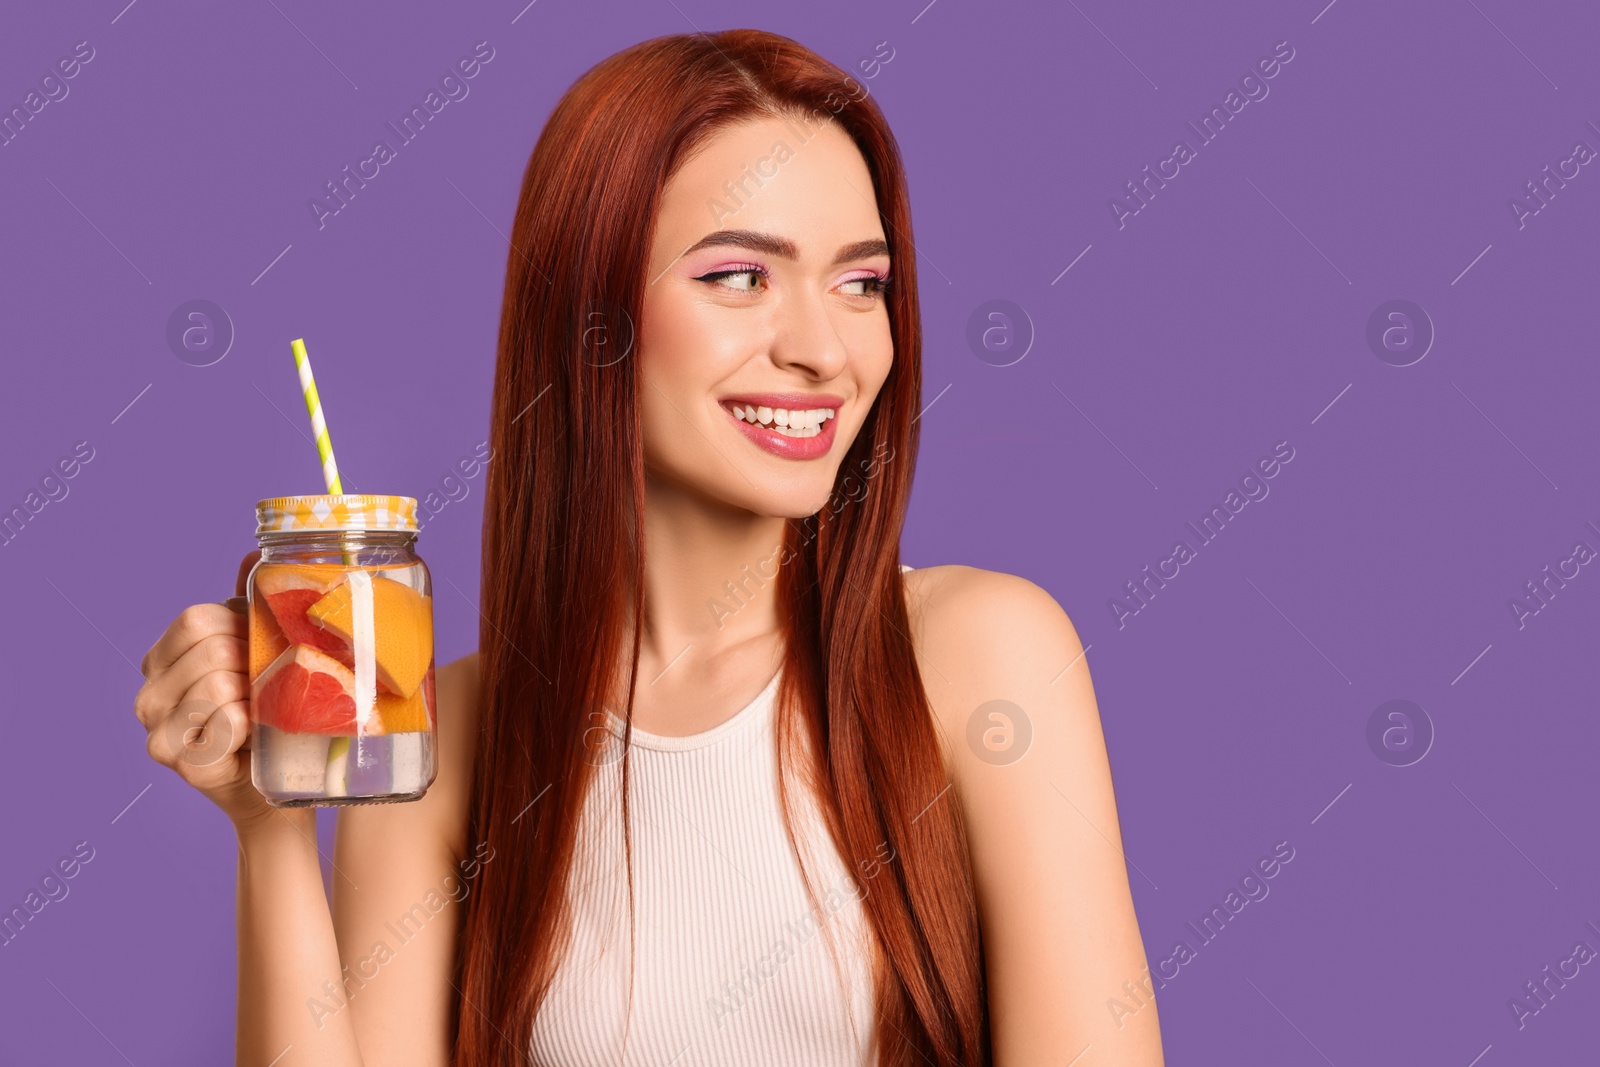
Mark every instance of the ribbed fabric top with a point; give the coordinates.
(760, 707)
(732, 969)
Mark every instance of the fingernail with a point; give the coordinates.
(237, 604)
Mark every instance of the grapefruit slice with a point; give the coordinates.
(305, 691)
(289, 608)
(274, 578)
(266, 638)
(396, 715)
(399, 715)
(409, 575)
(402, 625)
(291, 588)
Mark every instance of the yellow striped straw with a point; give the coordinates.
(319, 427)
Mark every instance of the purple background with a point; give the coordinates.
(1190, 341)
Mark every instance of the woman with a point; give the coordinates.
(708, 704)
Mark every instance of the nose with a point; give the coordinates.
(806, 340)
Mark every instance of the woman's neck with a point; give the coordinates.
(710, 577)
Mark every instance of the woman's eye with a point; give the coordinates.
(754, 279)
(746, 280)
(872, 285)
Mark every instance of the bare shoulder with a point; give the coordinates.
(983, 635)
(944, 594)
(1008, 681)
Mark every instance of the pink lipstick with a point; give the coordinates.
(791, 425)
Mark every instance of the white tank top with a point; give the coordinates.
(732, 966)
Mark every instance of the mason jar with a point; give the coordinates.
(342, 706)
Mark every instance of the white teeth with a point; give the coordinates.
(804, 431)
(790, 423)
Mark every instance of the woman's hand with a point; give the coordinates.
(195, 703)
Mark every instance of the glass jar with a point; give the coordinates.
(342, 707)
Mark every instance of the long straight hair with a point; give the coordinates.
(563, 497)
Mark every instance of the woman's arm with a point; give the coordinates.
(403, 874)
(365, 981)
(286, 946)
(1061, 939)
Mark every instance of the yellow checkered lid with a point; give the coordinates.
(350, 511)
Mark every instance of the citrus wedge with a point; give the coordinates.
(304, 691)
(399, 715)
(266, 638)
(291, 588)
(402, 625)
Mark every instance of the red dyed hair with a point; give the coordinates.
(559, 529)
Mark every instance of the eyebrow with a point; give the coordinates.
(782, 247)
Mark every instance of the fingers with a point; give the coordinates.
(193, 624)
(226, 732)
(207, 727)
(245, 566)
(221, 653)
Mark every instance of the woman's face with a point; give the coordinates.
(763, 293)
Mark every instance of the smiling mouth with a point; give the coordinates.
(799, 423)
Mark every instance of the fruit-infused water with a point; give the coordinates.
(342, 701)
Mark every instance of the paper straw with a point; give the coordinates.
(319, 428)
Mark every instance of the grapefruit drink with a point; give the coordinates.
(341, 680)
